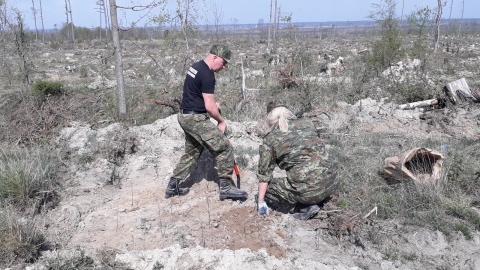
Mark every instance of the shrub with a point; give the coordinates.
(45, 88)
(420, 22)
(389, 49)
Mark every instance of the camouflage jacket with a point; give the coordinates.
(300, 152)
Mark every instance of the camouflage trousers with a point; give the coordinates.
(304, 185)
(201, 133)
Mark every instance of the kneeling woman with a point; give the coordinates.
(293, 144)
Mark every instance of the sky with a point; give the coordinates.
(85, 12)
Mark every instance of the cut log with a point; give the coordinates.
(413, 105)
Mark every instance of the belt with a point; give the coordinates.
(182, 111)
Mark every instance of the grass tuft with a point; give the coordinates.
(28, 175)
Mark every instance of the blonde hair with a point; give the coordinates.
(279, 115)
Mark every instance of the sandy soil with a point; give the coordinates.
(121, 207)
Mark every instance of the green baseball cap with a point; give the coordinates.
(221, 50)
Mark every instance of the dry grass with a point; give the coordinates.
(21, 238)
(445, 205)
(28, 176)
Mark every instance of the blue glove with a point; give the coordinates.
(262, 209)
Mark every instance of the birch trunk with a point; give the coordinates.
(122, 106)
(438, 19)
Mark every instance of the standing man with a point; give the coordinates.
(198, 105)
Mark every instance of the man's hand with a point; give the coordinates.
(262, 209)
(222, 126)
(212, 108)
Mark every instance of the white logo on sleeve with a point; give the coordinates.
(192, 72)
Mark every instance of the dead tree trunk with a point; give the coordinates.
(275, 29)
(68, 20)
(21, 44)
(438, 18)
(461, 19)
(41, 19)
(101, 11)
(107, 22)
(71, 20)
(34, 11)
(403, 7)
(122, 106)
(269, 28)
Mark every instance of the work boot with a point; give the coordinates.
(229, 191)
(173, 189)
(307, 211)
(282, 207)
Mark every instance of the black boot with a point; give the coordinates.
(305, 212)
(173, 189)
(229, 191)
(282, 207)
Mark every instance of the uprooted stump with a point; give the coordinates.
(458, 92)
(420, 164)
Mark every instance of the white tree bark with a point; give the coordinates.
(413, 105)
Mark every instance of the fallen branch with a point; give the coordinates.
(371, 211)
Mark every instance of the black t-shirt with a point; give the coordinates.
(199, 79)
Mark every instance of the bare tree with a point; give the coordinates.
(122, 105)
(450, 15)
(68, 12)
(462, 3)
(183, 14)
(217, 14)
(21, 46)
(67, 17)
(275, 16)
(403, 7)
(34, 12)
(101, 12)
(41, 19)
(269, 27)
(71, 20)
(3, 14)
(16, 45)
(261, 28)
(107, 18)
(438, 18)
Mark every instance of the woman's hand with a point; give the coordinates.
(262, 209)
